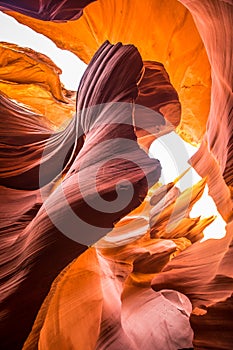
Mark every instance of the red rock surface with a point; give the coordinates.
(150, 282)
(48, 10)
(37, 242)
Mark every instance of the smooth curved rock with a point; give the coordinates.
(121, 269)
(32, 79)
(214, 159)
(48, 10)
(203, 270)
(157, 94)
(116, 323)
(162, 31)
(43, 248)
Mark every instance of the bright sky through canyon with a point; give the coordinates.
(72, 70)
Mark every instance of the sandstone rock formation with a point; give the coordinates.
(147, 280)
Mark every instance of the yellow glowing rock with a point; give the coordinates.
(80, 295)
(163, 31)
(32, 78)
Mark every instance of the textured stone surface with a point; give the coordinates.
(137, 286)
(32, 79)
(47, 10)
(162, 31)
(41, 248)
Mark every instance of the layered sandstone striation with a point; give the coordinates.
(148, 280)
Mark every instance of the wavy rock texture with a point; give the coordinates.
(127, 313)
(39, 242)
(152, 262)
(32, 78)
(162, 31)
(157, 94)
(117, 324)
(215, 156)
(28, 142)
(48, 10)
